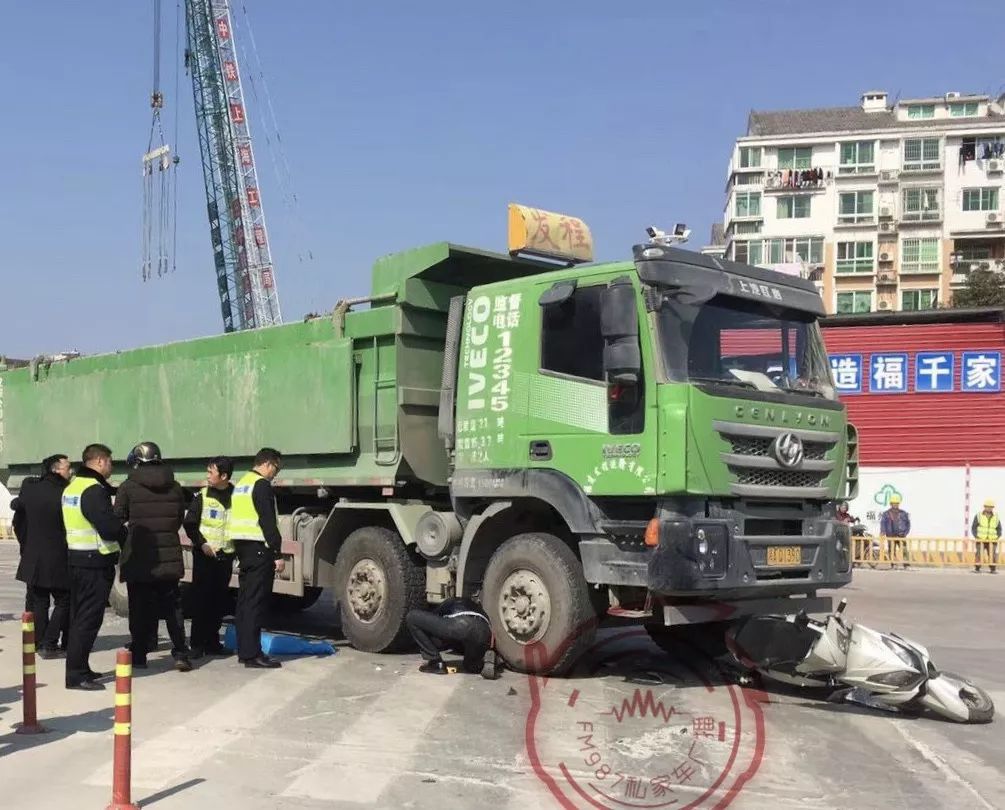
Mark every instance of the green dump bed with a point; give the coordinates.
(348, 400)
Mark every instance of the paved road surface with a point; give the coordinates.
(358, 730)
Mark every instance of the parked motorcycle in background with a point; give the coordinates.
(879, 669)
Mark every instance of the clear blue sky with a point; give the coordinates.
(411, 123)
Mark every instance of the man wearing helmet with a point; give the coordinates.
(987, 530)
(153, 504)
(896, 524)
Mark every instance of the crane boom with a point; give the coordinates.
(245, 278)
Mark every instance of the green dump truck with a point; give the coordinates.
(657, 440)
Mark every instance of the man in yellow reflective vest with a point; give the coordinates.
(207, 524)
(987, 530)
(254, 527)
(93, 538)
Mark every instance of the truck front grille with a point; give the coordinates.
(756, 472)
(761, 446)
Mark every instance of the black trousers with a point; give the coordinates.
(148, 602)
(258, 571)
(467, 635)
(211, 593)
(89, 590)
(48, 628)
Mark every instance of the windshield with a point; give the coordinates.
(749, 344)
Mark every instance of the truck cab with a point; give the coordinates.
(671, 420)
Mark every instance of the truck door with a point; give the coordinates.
(588, 410)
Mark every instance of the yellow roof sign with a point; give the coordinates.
(549, 235)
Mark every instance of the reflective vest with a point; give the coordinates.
(214, 523)
(987, 527)
(80, 532)
(243, 515)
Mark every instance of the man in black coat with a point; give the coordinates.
(38, 523)
(153, 505)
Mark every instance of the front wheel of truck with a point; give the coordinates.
(377, 581)
(539, 604)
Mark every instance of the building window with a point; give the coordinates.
(854, 257)
(750, 157)
(980, 199)
(798, 157)
(915, 111)
(966, 255)
(856, 301)
(744, 228)
(793, 207)
(808, 249)
(963, 110)
(571, 340)
(749, 179)
(857, 157)
(748, 204)
(919, 256)
(855, 206)
(918, 299)
(921, 204)
(922, 154)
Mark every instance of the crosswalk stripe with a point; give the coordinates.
(163, 759)
(379, 745)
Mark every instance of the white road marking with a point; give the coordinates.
(164, 759)
(379, 745)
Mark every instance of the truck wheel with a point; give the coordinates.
(119, 597)
(284, 603)
(377, 582)
(535, 592)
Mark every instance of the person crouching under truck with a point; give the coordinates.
(458, 625)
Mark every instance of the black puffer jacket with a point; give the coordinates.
(153, 504)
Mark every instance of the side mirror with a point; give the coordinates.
(619, 324)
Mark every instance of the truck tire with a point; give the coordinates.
(535, 592)
(284, 603)
(376, 583)
(119, 597)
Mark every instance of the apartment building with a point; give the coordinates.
(887, 206)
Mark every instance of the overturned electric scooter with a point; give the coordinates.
(882, 670)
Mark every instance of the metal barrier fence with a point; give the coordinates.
(934, 552)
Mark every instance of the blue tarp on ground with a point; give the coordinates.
(282, 643)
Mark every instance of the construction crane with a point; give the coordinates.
(245, 278)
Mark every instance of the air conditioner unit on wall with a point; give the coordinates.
(884, 304)
(886, 211)
(952, 94)
(994, 218)
(888, 175)
(995, 167)
(885, 257)
(887, 227)
(886, 277)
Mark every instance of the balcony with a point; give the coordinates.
(915, 169)
(795, 180)
(931, 216)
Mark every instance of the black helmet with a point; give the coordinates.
(144, 453)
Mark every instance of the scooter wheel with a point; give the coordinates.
(979, 704)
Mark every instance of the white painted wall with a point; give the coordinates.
(935, 497)
(5, 512)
